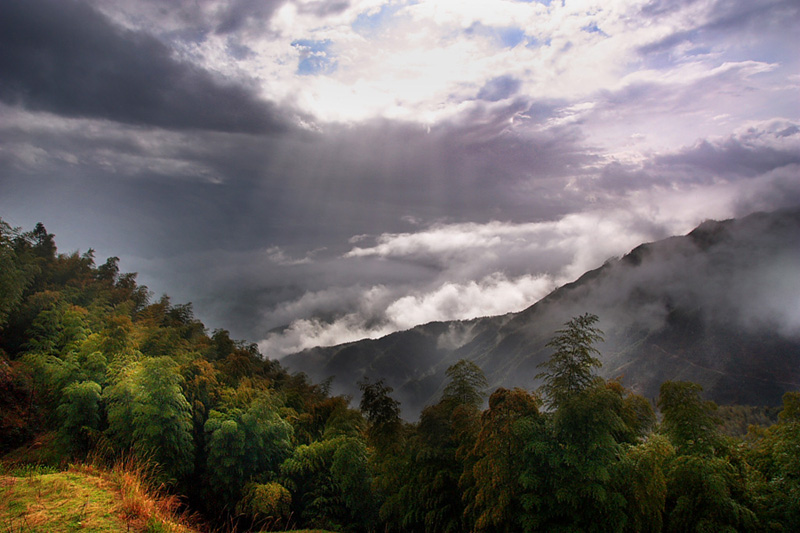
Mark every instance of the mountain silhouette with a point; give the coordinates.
(719, 306)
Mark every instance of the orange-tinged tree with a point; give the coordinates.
(493, 496)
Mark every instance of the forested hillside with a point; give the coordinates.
(93, 369)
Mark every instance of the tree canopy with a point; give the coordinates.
(570, 368)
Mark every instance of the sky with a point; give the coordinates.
(311, 172)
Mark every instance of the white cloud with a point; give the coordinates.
(492, 295)
(308, 333)
(425, 60)
(278, 256)
(563, 248)
(483, 269)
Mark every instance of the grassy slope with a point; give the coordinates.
(85, 499)
(78, 499)
(64, 501)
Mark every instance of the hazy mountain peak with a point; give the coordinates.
(718, 306)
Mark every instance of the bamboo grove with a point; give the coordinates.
(93, 369)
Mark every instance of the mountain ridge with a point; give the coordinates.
(715, 306)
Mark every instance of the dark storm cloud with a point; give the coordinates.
(656, 8)
(771, 18)
(731, 158)
(323, 8)
(763, 153)
(754, 16)
(204, 209)
(694, 93)
(194, 20)
(239, 13)
(314, 187)
(194, 14)
(64, 57)
(477, 167)
(236, 191)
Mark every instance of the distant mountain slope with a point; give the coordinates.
(719, 306)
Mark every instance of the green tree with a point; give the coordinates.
(163, 418)
(382, 413)
(386, 437)
(569, 461)
(92, 360)
(707, 483)
(705, 493)
(639, 477)
(118, 344)
(467, 384)
(636, 413)
(81, 414)
(119, 398)
(51, 375)
(689, 420)
(45, 332)
(330, 483)
(245, 445)
(148, 412)
(582, 496)
(570, 368)
(16, 271)
(44, 244)
(59, 330)
(439, 454)
(268, 503)
(775, 453)
(493, 493)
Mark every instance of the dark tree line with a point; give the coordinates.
(101, 370)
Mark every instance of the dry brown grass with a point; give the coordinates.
(92, 498)
(144, 504)
(64, 501)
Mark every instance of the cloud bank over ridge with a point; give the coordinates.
(337, 169)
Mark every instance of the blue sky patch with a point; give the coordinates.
(506, 37)
(371, 24)
(536, 43)
(594, 28)
(511, 37)
(315, 57)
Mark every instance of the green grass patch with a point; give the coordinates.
(58, 502)
(34, 499)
